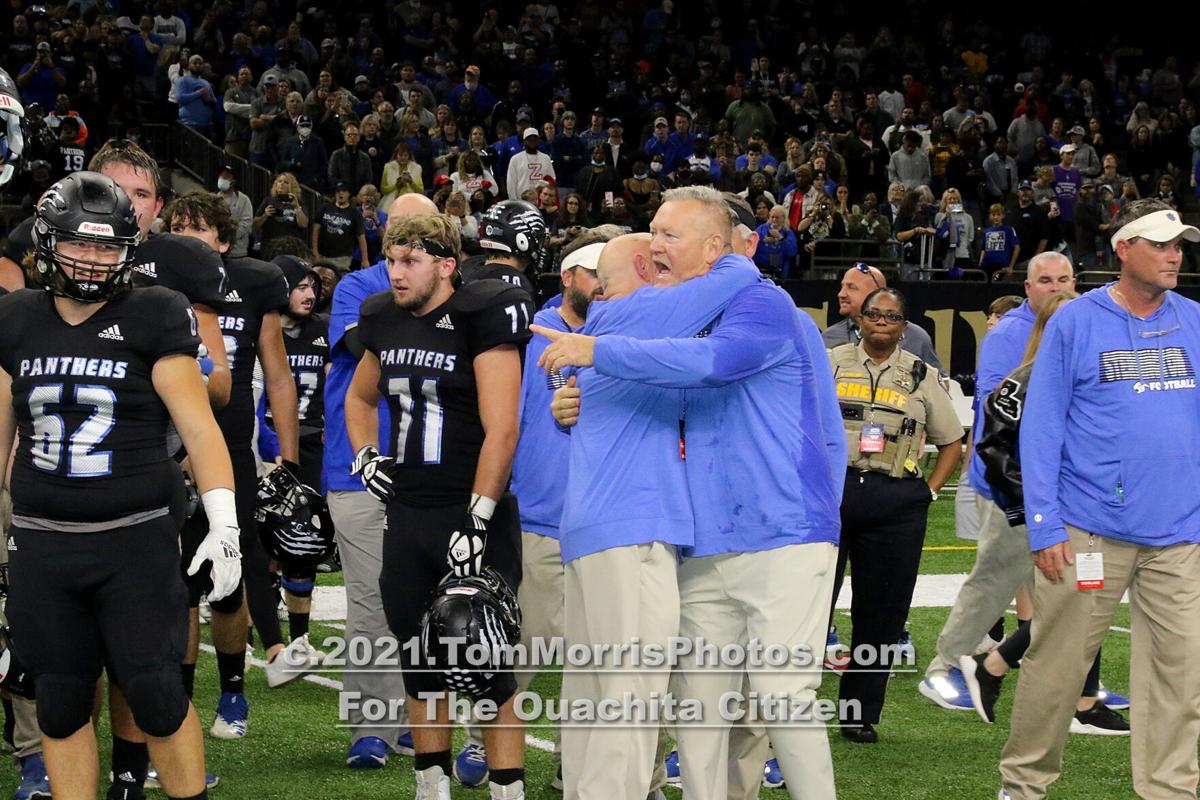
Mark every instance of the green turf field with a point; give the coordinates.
(295, 752)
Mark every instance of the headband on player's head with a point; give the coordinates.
(435, 249)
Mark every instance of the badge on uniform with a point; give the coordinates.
(871, 439)
(1089, 570)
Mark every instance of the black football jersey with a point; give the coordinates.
(478, 268)
(254, 289)
(91, 429)
(308, 353)
(182, 263)
(19, 242)
(427, 376)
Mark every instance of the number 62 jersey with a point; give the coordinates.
(91, 428)
(427, 377)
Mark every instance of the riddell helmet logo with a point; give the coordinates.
(101, 228)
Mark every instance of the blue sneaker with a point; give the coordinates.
(369, 752)
(1113, 700)
(34, 782)
(233, 716)
(906, 650)
(210, 780)
(470, 766)
(672, 765)
(773, 775)
(948, 691)
(404, 745)
(837, 655)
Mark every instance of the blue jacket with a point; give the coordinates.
(194, 110)
(999, 355)
(1110, 437)
(540, 463)
(766, 452)
(626, 483)
(350, 293)
(780, 256)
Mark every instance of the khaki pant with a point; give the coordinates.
(1070, 623)
(540, 597)
(613, 597)
(1002, 566)
(749, 749)
(779, 596)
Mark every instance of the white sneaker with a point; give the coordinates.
(433, 784)
(290, 663)
(316, 657)
(513, 791)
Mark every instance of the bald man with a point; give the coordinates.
(626, 509)
(358, 517)
(858, 282)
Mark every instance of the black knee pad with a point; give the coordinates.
(64, 704)
(300, 584)
(157, 700)
(231, 603)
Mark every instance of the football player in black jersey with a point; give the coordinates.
(447, 361)
(91, 371)
(306, 337)
(513, 235)
(250, 319)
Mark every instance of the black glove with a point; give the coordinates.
(375, 472)
(467, 544)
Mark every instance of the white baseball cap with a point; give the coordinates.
(1161, 226)
(530, 132)
(587, 257)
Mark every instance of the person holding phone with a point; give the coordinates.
(777, 245)
(281, 214)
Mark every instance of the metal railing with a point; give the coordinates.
(831, 257)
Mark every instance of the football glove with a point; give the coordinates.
(375, 472)
(465, 554)
(220, 546)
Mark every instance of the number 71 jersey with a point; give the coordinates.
(427, 377)
(91, 427)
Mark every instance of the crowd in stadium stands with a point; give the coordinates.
(961, 146)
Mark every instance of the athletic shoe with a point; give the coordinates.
(672, 765)
(557, 783)
(1099, 720)
(1003, 795)
(34, 782)
(470, 766)
(860, 734)
(290, 663)
(513, 791)
(1117, 702)
(316, 657)
(369, 752)
(906, 651)
(773, 775)
(210, 780)
(983, 686)
(233, 713)
(432, 784)
(404, 745)
(837, 655)
(949, 691)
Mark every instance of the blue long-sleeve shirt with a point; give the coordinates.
(350, 293)
(541, 461)
(194, 110)
(781, 255)
(625, 483)
(1110, 436)
(1000, 353)
(764, 441)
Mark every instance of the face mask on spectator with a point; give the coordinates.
(224, 184)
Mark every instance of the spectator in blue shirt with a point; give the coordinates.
(144, 47)
(1001, 247)
(41, 80)
(195, 96)
(777, 246)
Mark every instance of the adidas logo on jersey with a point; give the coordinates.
(320, 342)
(112, 332)
(149, 269)
(444, 323)
(233, 297)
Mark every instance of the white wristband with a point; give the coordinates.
(482, 507)
(220, 507)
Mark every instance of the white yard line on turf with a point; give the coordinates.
(535, 742)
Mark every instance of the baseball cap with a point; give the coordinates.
(1025, 185)
(615, 121)
(270, 80)
(302, 121)
(362, 79)
(43, 47)
(1161, 226)
(598, 111)
(524, 112)
(660, 121)
(341, 185)
(327, 43)
(568, 114)
(1067, 148)
(587, 257)
(1077, 131)
(530, 132)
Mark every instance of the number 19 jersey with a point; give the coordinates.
(92, 447)
(427, 376)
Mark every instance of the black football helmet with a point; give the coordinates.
(12, 127)
(517, 228)
(90, 208)
(294, 523)
(476, 610)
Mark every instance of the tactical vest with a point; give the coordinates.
(887, 401)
